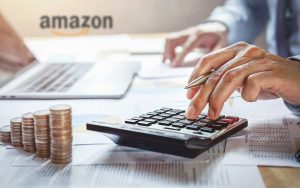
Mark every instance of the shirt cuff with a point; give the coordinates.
(295, 58)
(294, 108)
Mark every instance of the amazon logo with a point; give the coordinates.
(75, 25)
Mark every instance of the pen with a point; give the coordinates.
(199, 81)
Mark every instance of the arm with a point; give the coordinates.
(13, 52)
(245, 19)
(256, 73)
(294, 108)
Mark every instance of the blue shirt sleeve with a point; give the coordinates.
(245, 19)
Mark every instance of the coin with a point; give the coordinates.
(42, 133)
(5, 134)
(28, 139)
(61, 134)
(16, 132)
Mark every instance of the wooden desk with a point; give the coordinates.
(280, 176)
(274, 177)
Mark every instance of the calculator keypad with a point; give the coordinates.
(175, 120)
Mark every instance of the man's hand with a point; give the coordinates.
(211, 36)
(256, 73)
(13, 53)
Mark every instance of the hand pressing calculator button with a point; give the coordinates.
(167, 130)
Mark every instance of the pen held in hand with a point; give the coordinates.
(199, 81)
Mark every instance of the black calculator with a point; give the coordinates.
(168, 131)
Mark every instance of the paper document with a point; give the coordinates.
(165, 71)
(134, 175)
(270, 142)
(110, 153)
(153, 68)
(145, 46)
(128, 167)
(77, 49)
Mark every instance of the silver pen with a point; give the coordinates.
(199, 81)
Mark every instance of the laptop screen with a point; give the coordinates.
(14, 55)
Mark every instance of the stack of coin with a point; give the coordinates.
(16, 132)
(5, 134)
(42, 133)
(28, 133)
(61, 134)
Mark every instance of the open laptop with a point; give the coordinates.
(23, 77)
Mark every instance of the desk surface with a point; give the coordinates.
(280, 177)
(273, 176)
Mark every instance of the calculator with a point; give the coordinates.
(167, 130)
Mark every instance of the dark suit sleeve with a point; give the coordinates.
(294, 108)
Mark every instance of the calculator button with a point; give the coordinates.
(165, 109)
(181, 117)
(187, 122)
(201, 116)
(223, 123)
(173, 120)
(144, 123)
(166, 123)
(146, 116)
(165, 115)
(193, 127)
(230, 121)
(216, 126)
(178, 111)
(138, 118)
(152, 113)
(207, 129)
(159, 111)
(197, 132)
(179, 125)
(182, 114)
(205, 120)
(200, 124)
(172, 113)
(233, 117)
(151, 120)
(221, 116)
(131, 121)
(158, 118)
(172, 128)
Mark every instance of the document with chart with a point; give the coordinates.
(110, 165)
(270, 142)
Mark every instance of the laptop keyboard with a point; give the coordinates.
(54, 78)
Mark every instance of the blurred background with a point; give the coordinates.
(130, 16)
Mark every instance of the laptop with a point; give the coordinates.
(22, 76)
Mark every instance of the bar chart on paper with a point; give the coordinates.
(270, 142)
